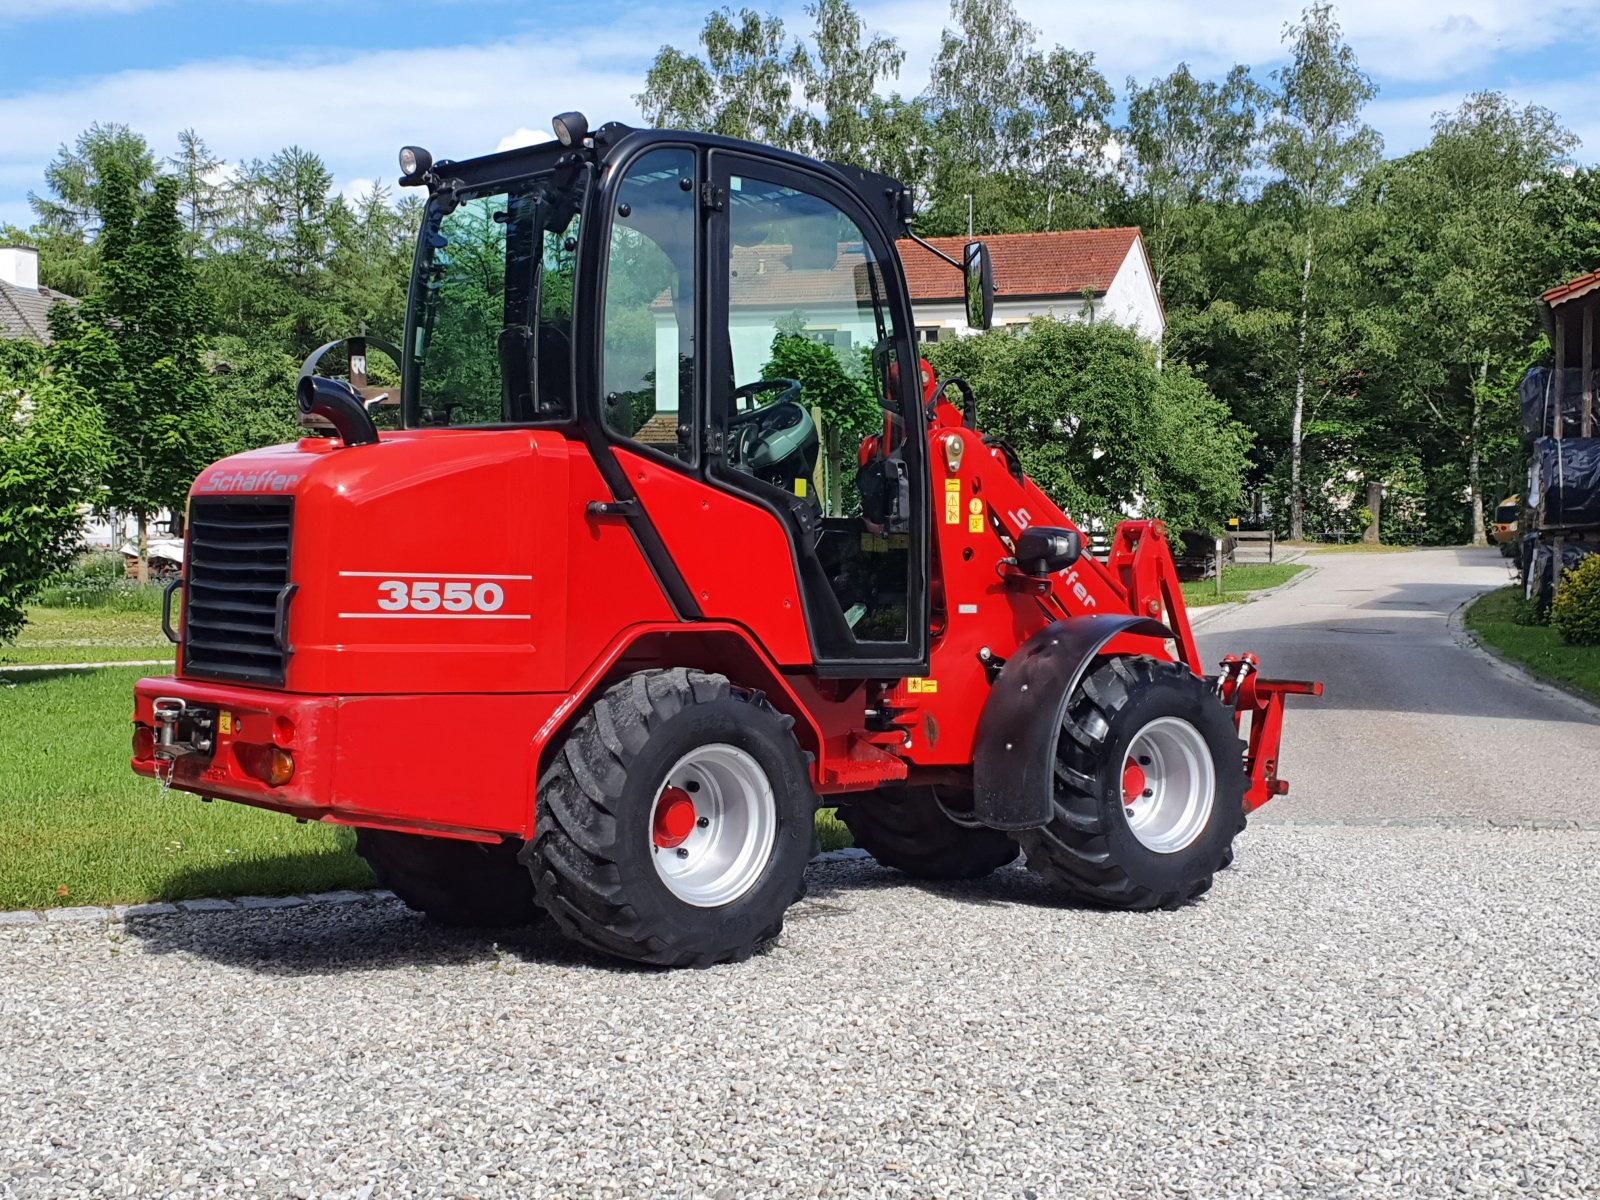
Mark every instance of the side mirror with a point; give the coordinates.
(980, 285)
(1044, 550)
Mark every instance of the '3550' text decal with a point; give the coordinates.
(438, 594)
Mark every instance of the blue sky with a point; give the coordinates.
(354, 79)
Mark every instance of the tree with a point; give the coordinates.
(1320, 148)
(839, 77)
(200, 199)
(69, 216)
(1456, 250)
(1099, 428)
(742, 87)
(53, 450)
(1020, 132)
(1187, 143)
(135, 345)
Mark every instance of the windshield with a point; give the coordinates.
(489, 327)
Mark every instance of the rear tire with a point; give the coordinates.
(904, 828)
(674, 824)
(1132, 716)
(451, 881)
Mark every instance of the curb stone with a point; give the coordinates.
(1468, 639)
(112, 914)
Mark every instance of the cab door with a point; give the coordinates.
(807, 325)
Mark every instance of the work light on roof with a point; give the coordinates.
(414, 161)
(571, 128)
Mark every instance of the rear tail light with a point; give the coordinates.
(279, 767)
(144, 742)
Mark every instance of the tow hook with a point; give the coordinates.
(169, 714)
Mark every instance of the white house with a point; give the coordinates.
(24, 305)
(1071, 275)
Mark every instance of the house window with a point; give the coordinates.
(928, 334)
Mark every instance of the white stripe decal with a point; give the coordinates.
(425, 575)
(452, 616)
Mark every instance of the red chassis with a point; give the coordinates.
(410, 726)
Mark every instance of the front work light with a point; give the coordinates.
(571, 128)
(414, 162)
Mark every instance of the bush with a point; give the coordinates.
(53, 452)
(1576, 611)
(98, 580)
(1098, 427)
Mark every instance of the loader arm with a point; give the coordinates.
(988, 612)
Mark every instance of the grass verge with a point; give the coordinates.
(80, 635)
(78, 827)
(1537, 647)
(1238, 582)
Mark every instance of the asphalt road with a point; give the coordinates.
(1412, 727)
(1355, 1009)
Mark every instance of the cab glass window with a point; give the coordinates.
(648, 372)
(812, 347)
(491, 322)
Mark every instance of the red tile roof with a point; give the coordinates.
(1581, 286)
(1065, 263)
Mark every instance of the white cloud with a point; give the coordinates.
(354, 110)
(518, 138)
(1423, 40)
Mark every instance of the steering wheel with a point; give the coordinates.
(747, 429)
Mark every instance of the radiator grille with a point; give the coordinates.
(237, 573)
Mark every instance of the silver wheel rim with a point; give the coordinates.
(1169, 785)
(720, 856)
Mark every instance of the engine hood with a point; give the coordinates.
(423, 555)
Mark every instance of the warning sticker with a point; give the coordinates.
(975, 506)
(952, 507)
(975, 523)
(920, 686)
(800, 486)
(225, 721)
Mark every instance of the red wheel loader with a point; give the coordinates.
(588, 621)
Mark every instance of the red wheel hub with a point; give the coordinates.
(1133, 782)
(675, 818)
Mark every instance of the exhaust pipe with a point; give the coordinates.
(340, 405)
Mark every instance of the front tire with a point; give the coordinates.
(1149, 789)
(907, 830)
(674, 824)
(451, 881)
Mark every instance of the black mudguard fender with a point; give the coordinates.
(1014, 752)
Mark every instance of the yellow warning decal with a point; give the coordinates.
(952, 508)
(975, 524)
(975, 506)
(225, 721)
(952, 485)
(920, 686)
(800, 486)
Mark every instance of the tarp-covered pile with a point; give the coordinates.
(1539, 399)
(1566, 480)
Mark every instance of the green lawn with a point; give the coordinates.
(78, 635)
(1238, 582)
(78, 827)
(1539, 647)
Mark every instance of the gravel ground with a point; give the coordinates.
(1353, 1011)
